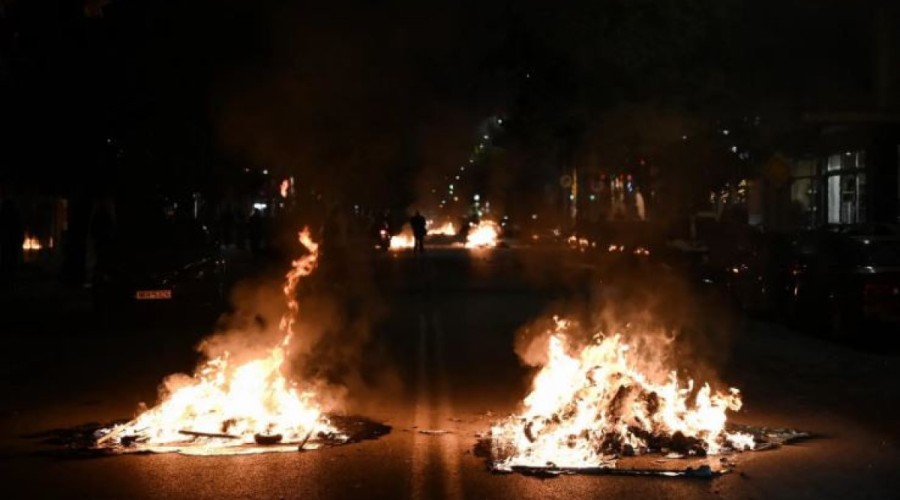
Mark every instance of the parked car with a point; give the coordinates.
(152, 262)
(754, 272)
(843, 283)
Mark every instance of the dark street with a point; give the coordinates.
(450, 249)
(447, 336)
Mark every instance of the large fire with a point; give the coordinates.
(591, 404)
(226, 406)
(483, 235)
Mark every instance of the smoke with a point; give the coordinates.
(352, 100)
(666, 322)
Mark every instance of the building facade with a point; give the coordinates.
(844, 175)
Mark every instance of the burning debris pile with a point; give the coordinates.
(483, 235)
(233, 407)
(403, 241)
(591, 405)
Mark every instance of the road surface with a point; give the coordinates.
(433, 341)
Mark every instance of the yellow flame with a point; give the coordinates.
(30, 243)
(445, 229)
(583, 398)
(403, 240)
(228, 403)
(484, 235)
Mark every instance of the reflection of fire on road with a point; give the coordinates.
(592, 403)
(483, 235)
(230, 405)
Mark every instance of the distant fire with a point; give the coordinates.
(591, 403)
(284, 188)
(445, 229)
(229, 406)
(403, 241)
(31, 244)
(483, 235)
(641, 251)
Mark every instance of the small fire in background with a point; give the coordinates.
(31, 244)
(285, 188)
(642, 251)
(404, 240)
(445, 229)
(591, 403)
(484, 235)
(580, 243)
(231, 407)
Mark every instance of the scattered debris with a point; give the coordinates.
(434, 432)
(652, 462)
(91, 440)
(268, 439)
(701, 472)
(305, 440)
(214, 435)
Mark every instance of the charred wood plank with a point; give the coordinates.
(216, 435)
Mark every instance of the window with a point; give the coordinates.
(846, 188)
(804, 193)
(803, 201)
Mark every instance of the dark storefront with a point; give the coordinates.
(844, 175)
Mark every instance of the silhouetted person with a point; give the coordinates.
(419, 229)
(12, 234)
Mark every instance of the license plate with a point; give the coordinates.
(153, 294)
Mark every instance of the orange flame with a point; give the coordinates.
(484, 235)
(584, 399)
(403, 241)
(224, 406)
(285, 186)
(445, 229)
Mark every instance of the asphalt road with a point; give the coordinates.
(433, 341)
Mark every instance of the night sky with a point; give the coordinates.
(370, 100)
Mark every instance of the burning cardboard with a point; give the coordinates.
(592, 407)
(485, 234)
(234, 405)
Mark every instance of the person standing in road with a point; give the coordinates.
(419, 229)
